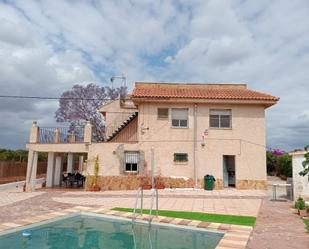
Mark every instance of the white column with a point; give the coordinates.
(88, 132)
(29, 169)
(70, 163)
(50, 169)
(34, 133)
(34, 170)
(81, 163)
(57, 173)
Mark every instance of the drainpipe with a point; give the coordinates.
(195, 145)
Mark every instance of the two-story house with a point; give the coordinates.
(185, 130)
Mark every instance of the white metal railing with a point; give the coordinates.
(140, 195)
(61, 134)
(154, 193)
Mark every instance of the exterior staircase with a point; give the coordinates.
(119, 128)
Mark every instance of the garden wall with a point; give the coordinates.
(301, 183)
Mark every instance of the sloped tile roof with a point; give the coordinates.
(199, 91)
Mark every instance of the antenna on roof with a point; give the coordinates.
(122, 78)
(123, 87)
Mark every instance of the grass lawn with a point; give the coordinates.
(307, 224)
(218, 218)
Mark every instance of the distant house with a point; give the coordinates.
(192, 129)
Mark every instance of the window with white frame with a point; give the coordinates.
(220, 118)
(162, 113)
(131, 161)
(180, 117)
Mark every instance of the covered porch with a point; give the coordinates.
(62, 148)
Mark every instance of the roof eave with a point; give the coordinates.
(266, 103)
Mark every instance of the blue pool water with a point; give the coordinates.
(93, 232)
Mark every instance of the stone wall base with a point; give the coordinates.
(133, 182)
(218, 183)
(251, 184)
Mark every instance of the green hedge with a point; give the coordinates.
(285, 165)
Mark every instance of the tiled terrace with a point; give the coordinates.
(230, 201)
(276, 224)
(221, 202)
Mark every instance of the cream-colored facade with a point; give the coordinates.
(235, 155)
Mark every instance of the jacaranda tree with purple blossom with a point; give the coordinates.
(82, 103)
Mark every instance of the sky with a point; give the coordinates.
(46, 47)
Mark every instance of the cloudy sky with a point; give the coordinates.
(48, 46)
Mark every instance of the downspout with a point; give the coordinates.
(195, 145)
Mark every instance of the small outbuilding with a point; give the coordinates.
(301, 183)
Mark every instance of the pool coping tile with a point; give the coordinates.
(235, 236)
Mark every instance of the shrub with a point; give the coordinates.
(300, 204)
(285, 165)
(96, 169)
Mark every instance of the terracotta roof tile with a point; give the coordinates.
(199, 91)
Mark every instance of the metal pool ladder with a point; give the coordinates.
(140, 195)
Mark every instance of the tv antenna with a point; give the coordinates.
(122, 93)
(122, 78)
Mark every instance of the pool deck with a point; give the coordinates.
(235, 236)
(276, 224)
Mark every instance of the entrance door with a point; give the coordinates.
(229, 176)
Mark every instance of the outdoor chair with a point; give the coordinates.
(64, 180)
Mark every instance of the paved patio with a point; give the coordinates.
(11, 197)
(17, 205)
(277, 226)
(222, 202)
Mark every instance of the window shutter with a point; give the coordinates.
(132, 157)
(163, 113)
(180, 114)
(220, 112)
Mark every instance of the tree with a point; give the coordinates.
(271, 163)
(272, 158)
(82, 103)
(305, 164)
(285, 165)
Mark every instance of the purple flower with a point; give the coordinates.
(278, 152)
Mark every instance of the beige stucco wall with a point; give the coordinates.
(65, 147)
(114, 113)
(245, 140)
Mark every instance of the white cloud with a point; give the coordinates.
(48, 46)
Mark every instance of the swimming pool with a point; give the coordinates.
(88, 231)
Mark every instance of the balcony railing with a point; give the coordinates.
(61, 135)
